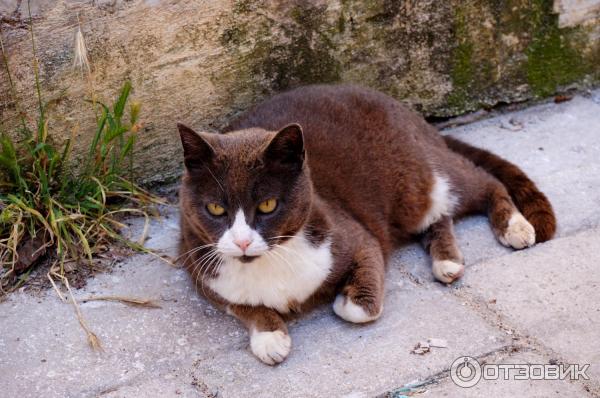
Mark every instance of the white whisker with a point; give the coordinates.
(194, 250)
(281, 236)
(205, 265)
(200, 263)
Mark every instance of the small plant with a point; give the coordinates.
(48, 208)
(54, 209)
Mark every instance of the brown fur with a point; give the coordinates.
(365, 184)
(439, 241)
(258, 318)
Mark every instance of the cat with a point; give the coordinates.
(301, 200)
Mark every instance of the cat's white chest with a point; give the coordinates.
(282, 275)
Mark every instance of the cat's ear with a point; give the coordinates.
(287, 147)
(196, 150)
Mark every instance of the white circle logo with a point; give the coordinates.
(465, 372)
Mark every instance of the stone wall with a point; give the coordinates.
(202, 61)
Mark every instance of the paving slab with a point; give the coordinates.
(550, 292)
(508, 388)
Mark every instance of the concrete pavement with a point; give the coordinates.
(537, 306)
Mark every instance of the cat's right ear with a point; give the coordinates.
(196, 150)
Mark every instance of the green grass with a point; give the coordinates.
(55, 208)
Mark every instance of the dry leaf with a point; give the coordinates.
(562, 98)
(29, 253)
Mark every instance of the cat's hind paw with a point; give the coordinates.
(270, 347)
(447, 271)
(519, 234)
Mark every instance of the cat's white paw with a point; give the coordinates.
(519, 233)
(270, 347)
(345, 308)
(447, 271)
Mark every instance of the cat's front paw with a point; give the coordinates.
(519, 233)
(348, 310)
(447, 271)
(270, 347)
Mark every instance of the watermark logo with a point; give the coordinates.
(467, 371)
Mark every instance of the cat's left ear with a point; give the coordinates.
(287, 147)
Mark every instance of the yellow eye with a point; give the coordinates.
(267, 206)
(215, 209)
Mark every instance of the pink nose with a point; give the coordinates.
(242, 243)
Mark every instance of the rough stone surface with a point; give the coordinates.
(510, 388)
(550, 292)
(573, 12)
(537, 305)
(200, 62)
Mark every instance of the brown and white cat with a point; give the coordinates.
(303, 198)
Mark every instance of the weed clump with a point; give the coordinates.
(53, 207)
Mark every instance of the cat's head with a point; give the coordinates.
(245, 191)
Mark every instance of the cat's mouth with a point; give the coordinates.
(247, 259)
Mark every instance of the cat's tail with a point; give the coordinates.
(527, 197)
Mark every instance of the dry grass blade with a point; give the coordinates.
(56, 289)
(144, 234)
(93, 340)
(136, 302)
